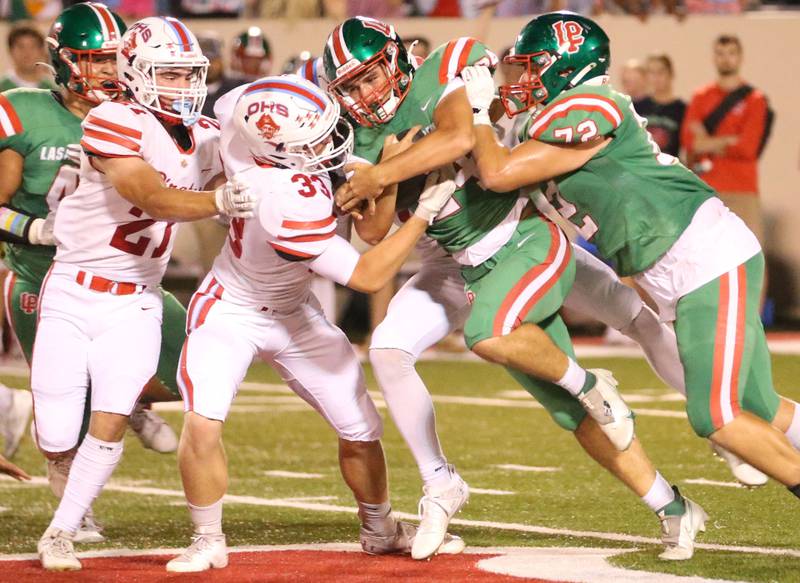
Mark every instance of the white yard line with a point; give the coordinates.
(519, 468)
(490, 491)
(40, 481)
(704, 482)
(299, 475)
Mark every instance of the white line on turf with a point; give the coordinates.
(41, 481)
(704, 482)
(490, 491)
(285, 474)
(519, 468)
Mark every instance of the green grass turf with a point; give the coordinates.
(580, 496)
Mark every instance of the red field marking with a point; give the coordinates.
(272, 567)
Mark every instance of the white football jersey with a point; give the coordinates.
(264, 262)
(96, 228)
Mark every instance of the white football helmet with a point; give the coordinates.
(290, 122)
(152, 45)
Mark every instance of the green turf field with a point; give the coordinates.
(272, 430)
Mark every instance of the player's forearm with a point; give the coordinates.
(438, 148)
(492, 159)
(172, 204)
(380, 264)
(11, 170)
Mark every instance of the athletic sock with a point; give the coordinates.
(207, 519)
(436, 475)
(6, 400)
(793, 433)
(576, 380)
(660, 495)
(58, 472)
(411, 408)
(377, 518)
(92, 467)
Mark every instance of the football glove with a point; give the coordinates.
(479, 84)
(439, 187)
(234, 199)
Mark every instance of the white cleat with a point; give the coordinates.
(436, 508)
(604, 404)
(207, 551)
(402, 541)
(152, 430)
(90, 531)
(56, 552)
(746, 474)
(678, 532)
(14, 420)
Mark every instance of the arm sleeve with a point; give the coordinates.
(576, 118)
(462, 52)
(337, 262)
(749, 138)
(112, 130)
(15, 225)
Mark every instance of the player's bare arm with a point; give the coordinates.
(139, 183)
(11, 164)
(452, 139)
(22, 227)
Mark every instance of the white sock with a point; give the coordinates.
(58, 472)
(574, 379)
(793, 433)
(91, 469)
(377, 518)
(207, 519)
(659, 495)
(6, 400)
(411, 407)
(660, 346)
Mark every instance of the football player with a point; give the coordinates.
(655, 220)
(518, 267)
(282, 136)
(143, 162)
(39, 157)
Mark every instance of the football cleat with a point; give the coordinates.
(402, 541)
(604, 404)
(152, 430)
(207, 551)
(56, 552)
(14, 420)
(678, 532)
(746, 474)
(436, 508)
(90, 531)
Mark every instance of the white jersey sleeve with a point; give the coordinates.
(113, 130)
(301, 222)
(337, 262)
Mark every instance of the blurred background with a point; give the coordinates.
(666, 53)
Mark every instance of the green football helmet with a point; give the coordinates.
(353, 50)
(252, 56)
(557, 51)
(83, 38)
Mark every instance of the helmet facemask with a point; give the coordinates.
(183, 105)
(379, 106)
(522, 96)
(94, 88)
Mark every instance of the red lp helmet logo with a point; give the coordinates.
(569, 35)
(267, 127)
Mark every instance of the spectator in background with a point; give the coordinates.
(722, 134)
(217, 81)
(41, 10)
(206, 8)
(251, 57)
(664, 111)
(26, 48)
(381, 10)
(634, 79)
(419, 46)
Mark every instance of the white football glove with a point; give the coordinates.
(41, 230)
(480, 92)
(234, 199)
(439, 187)
(73, 154)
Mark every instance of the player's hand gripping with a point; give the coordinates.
(439, 187)
(480, 92)
(41, 230)
(235, 200)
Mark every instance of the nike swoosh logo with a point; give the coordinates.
(521, 243)
(147, 308)
(427, 103)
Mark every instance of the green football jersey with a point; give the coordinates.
(9, 82)
(630, 199)
(472, 212)
(35, 124)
